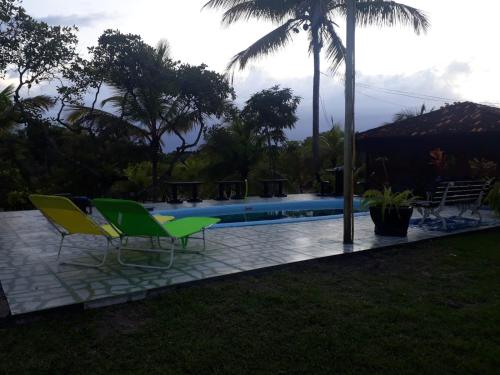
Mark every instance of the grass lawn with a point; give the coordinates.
(426, 308)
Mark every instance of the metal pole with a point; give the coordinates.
(349, 123)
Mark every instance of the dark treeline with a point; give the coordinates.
(115, 113)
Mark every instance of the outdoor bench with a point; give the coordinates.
(465, 195)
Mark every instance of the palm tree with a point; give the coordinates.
(12, 111)
(410, 113)
(6, 107)
(316, 17)
(143, 111)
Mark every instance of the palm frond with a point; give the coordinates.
(217, 4)
(388, 13)
(7, 92)
(116, 101)
(269, 10)
(80, 115)
(6, 98)
(163, 51)
(269, 43)
(40, 102)
(335, 49)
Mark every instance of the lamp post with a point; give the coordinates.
(349, 123)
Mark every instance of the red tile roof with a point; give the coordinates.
(455, 118)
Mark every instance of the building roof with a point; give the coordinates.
(457, 118)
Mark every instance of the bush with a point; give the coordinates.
(18, 200)
(493, 198)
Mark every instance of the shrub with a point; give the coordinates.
(493, 198)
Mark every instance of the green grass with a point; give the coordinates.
(423, 309)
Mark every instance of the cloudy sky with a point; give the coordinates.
(458, 59)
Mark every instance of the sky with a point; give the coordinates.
(458, 59)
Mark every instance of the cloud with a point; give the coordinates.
(378, 97)
(458, 68)
(80, 20)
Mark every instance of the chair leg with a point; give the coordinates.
(475, 211)
(85, 264)
(204, 241)
(160, 251)
(443, 220)
(60, 246)
(425, 214)
(461, 210)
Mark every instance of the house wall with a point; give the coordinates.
(408, 159)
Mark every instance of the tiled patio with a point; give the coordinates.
(32, 279)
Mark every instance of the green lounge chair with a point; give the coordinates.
(131, 219)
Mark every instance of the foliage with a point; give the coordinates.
(233, 149)
(139, 174)
(17, 200)
(269, 113)
(439, 159)
(482, 168)
(32, 49)
(387, 199)
(22, 111)
(294, 163)
(411, 113)
(11, 180)
(493, 198)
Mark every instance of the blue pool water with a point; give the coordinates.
(247, 214)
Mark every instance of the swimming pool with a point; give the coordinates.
(261, 213)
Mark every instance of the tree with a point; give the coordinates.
(232, 148)
(32, 50)
(316, 17)
(154, 95)
(9, 11)
(269, 113)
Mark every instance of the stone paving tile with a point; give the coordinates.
(32, 278)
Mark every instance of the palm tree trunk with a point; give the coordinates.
(316, 85)
(154, 170)
(270, 154)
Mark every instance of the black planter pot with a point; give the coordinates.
(394, 222)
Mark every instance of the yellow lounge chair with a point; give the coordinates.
(68, 220)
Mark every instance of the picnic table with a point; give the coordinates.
(272, 182)
(174, 189)
(82, 202)
(338, 172)
(227, 185)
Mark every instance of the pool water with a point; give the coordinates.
(253, 213)
(276, 215)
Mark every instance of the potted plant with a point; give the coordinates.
(493, 198)
(391, 212)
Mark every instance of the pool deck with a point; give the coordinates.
(32, 279)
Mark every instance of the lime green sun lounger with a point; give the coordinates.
(131, 219)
